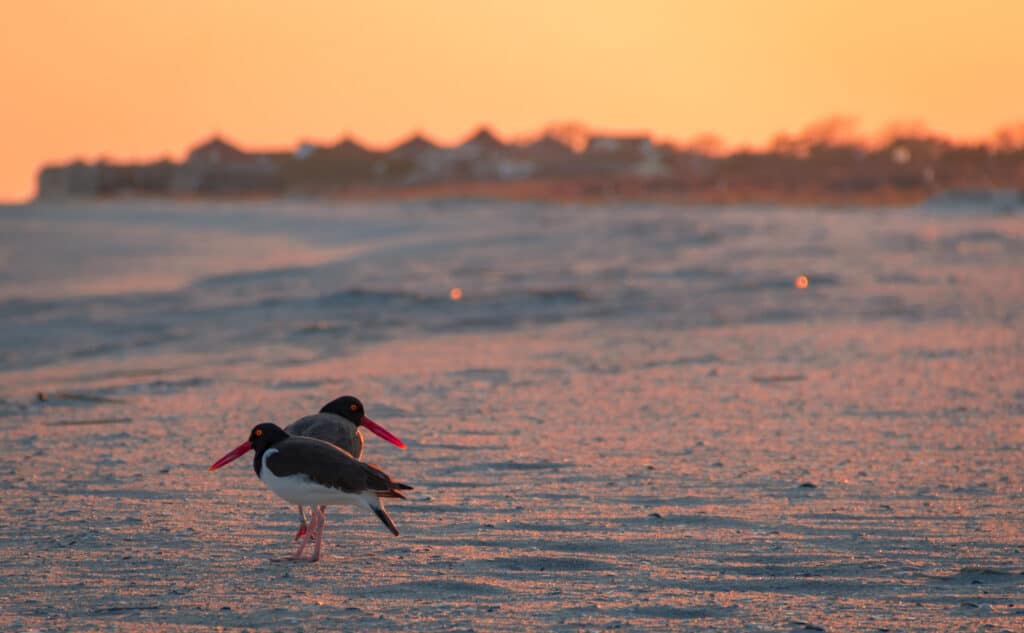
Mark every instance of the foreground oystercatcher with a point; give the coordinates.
(338, 423)
(307, 471)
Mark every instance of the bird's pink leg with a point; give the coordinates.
(303, 527)
(309, 536)
(303, 542)
(323, 510)
(320, 521)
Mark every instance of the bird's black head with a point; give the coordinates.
(348, 407)
(262, 437)
(265, 435)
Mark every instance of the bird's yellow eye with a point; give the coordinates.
(354, 407)
(258, 432)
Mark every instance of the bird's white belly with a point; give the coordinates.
(301, 490)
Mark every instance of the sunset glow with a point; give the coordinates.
(142, 80)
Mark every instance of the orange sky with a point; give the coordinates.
(134, 80)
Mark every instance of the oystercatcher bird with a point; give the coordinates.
(307, 471)
(338, 423)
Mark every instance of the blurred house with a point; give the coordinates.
(483, 157)
(74, 179)
(548, 151)
(317, 169)
(304, 151)
(480, 145)
(475, 158)
(416, 160)
(153, 178)
(625, 155)
(544, 158)
(103, 178)
(219, 167)
(687, 168)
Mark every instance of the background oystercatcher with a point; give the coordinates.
(338, 422)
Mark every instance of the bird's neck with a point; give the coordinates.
(257, 460)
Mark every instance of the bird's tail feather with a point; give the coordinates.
(382, 514)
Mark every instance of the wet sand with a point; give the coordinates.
(726, 453)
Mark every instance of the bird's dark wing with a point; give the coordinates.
(330, 466)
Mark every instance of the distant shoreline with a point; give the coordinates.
(589, 193)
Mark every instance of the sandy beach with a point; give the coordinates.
(634, 418)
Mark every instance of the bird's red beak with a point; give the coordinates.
(380, 431)
(237, 452)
